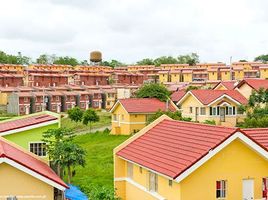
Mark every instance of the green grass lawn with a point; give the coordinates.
(98, 171)
(105, 120)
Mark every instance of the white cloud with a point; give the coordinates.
(129, 30)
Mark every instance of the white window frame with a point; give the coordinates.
(153, 181)
(223, 189)
(37, 142)
(204, 108)
(130, 170)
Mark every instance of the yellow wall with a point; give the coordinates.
(175, 77)
(3, 98)
(187, 77)
(163, 78)
(245, 90)
(225, 76)
(128, 191)
(126, 123)
(264, 73)
(234, 163)
(238, 75)
(212, 76)
(16, 182)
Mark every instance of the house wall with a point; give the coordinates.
(187, 77)
(234, 163)
(163, 78)
(264, 73)
(239, 75)
(212, 76)
(24, 138)
(128, 190)
(128, 123)
(245, 90)
(18, 183)
(175, 77)
(225, 76)
(13, 104)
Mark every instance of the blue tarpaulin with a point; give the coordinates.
(74, 193)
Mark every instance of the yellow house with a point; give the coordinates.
(225, 74)
(175, 160)
(24, 174)
(247, 86)
(163, 76)
(264, 71)
(218, 105)
(238, 73)
(131, 115)
(187, 76)
(212, 74)
(175, 76)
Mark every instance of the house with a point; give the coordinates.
(19, 103)
(46, 80)
(131, 115)
(54, 101)
(11, 80)
(225, 85)
(24, 174)
(109, 98)
(12, 67)
(247, 86)
(69, 100)
(26, 131)
(178, 160)
(96, 99)
(218, 105)
(53, 67)
(127, 78)
(91, 78)
(263, 70)
(84, 101)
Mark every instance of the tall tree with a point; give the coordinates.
(153, 90)
(90, 116)
(165, 60)
(113, 63)
(262, 58)
(46, 59)
(14, 59)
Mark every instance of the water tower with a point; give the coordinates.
(95, 57)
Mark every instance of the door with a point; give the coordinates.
(248, 189)
(58, 108)
(222, 114)
(27, 110)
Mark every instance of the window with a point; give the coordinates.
(153, 182)
(96, 103)
(136, 116)
(57, 98)
(22, 109)
(38, 148)
(264, 187)
(141, 170)
(83, 105)
(115, 117)
(191, 110)
(86, 96)
(202, 111)
(170, 182)
(221, 189)
(38, 108)
(54, 107)
(25, 99)
(129, 170)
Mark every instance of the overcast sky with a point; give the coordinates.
(129, 30)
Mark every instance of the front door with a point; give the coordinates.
(248, 189)
(222, 114)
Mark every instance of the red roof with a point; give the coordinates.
(256, 84)
(208, 96)
(172, 146)
(144, 105)
(26, 121)
(229, 85)
(10, 151)
(176, 96)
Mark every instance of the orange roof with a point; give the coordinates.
(255, 84)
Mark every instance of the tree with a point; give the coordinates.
(70, 155)
(165, 60)
(153, 90)
(14, 59)
(173, 115)
(192, 87)
(62, 151)
(66, 61)
(256, 109)
(243, 60)
(90, 116)
(113, 63)
(190, 59)
(262, 58)
(75, 114)
(146, 61)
